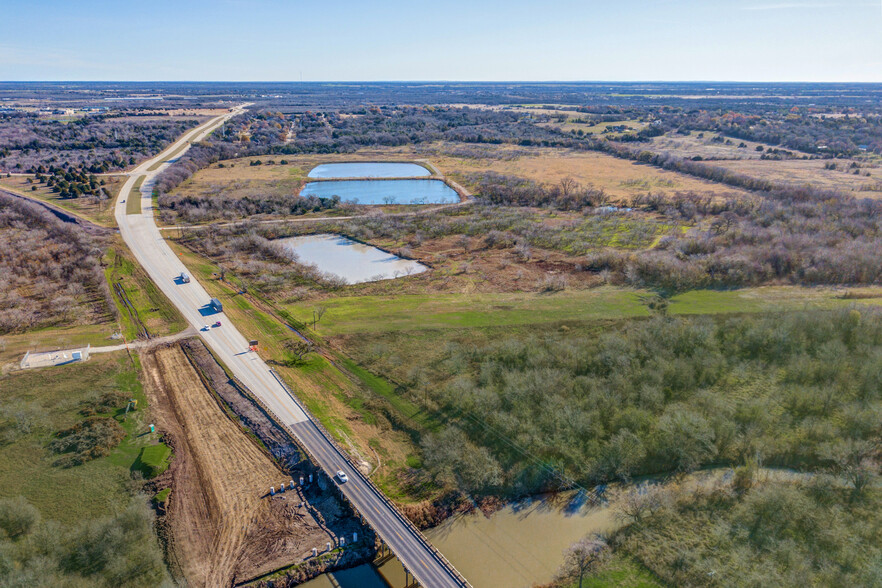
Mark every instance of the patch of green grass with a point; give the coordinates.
(41, 402)
(360, 314)
(133, 204)
(155, 310)
(15, 346)
(161, 497)
(383, 388)
(154, 460)
(621, 572)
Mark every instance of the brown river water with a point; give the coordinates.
(523, 543)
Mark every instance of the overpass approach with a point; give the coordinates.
(143, 237)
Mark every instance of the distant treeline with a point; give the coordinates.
(97, 143)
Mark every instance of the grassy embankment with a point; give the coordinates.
(85, 207)
(133, 204)
(151, 309)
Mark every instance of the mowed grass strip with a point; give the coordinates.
(133, 205)
(361, 314)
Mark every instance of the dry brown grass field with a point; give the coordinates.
(799, 172)
(867, 183)
(621, 179)
(692, 145)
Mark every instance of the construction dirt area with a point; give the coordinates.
(220, 525)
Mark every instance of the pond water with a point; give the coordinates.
(354, 262)
(368, 170)
(384, 191)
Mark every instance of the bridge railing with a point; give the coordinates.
(416, 533)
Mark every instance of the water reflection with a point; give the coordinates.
(347, 259)
(368, 169)
(384, 191)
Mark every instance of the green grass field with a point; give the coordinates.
(622, 572)
(36, 404)
(366, 314)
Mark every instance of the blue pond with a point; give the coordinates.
(368, 170)
(384, 191)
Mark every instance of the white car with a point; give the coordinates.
(206, 328)
(341, 475)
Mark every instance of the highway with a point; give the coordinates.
(149, 247)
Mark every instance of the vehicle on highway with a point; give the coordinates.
(217, 324)
(185, 279)
(205, 327)
(341, 475)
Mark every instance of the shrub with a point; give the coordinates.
(106, 403)
(17, 517)
(93, 438)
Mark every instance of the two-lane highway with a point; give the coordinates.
(144, 239)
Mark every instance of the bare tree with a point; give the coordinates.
(568, 185)
(317, 313)
(636, 504)
(583, 557)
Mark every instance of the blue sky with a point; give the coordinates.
(256, 40)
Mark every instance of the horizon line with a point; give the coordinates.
(439, 81)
